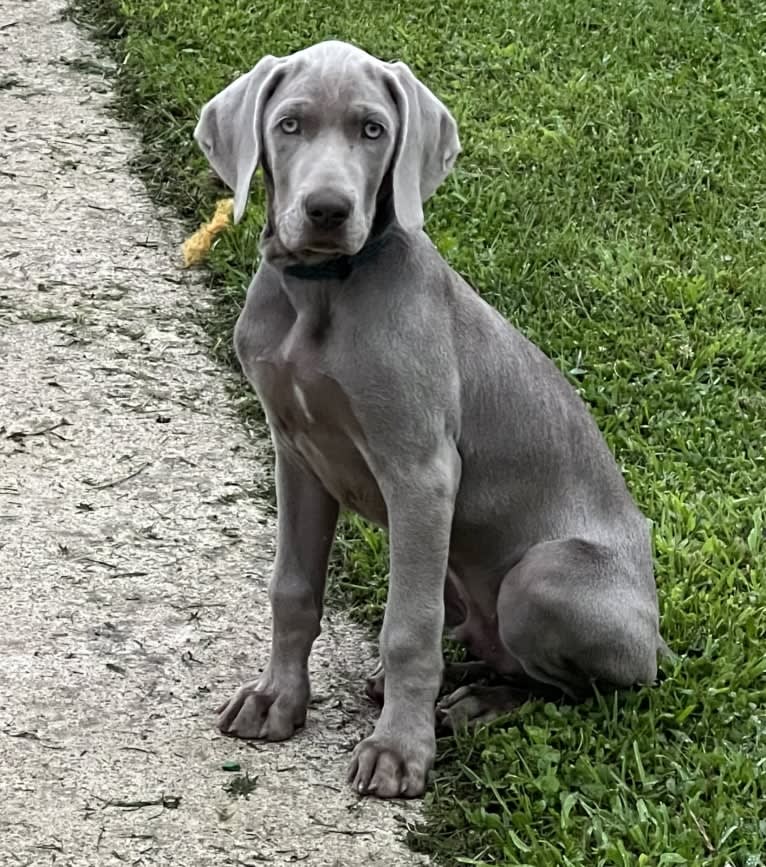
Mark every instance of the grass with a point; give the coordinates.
(611, 201)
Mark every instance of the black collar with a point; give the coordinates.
(341, 267)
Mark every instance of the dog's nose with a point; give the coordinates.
(327, 209)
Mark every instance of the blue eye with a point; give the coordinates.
(372, 129)
(289, 125)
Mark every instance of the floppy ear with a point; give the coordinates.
(427, 148)
(229, 128)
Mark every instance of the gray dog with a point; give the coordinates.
(392, 389)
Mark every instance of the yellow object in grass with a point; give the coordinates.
(198, 245)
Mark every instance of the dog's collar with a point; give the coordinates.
(340, 267)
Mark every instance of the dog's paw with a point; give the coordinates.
(474, 704)
(460, 708)
(375, 685)
(267, 708)
(392, 767)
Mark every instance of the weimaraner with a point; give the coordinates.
(392, 389)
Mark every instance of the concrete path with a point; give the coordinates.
(134, 548)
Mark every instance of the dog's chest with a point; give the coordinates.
(312, 418)
(302, 402)
(287, 367)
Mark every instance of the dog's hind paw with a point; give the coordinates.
(474, 704)
(375, 685)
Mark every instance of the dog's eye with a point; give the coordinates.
(372, 129)
(289, 125)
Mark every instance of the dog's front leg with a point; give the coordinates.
(274, 705)
(394, 761)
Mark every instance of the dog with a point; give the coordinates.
(391, 388)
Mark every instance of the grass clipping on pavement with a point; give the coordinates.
(611, 201)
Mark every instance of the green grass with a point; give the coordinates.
(611, 201)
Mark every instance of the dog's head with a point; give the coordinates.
(344, 140)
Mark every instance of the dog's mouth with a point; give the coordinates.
(314, 253)
(291, 242)
(322, 250)
(330, 262)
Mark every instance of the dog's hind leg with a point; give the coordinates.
(575, 613)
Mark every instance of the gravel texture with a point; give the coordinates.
(134, 546)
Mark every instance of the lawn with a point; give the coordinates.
(611, 201)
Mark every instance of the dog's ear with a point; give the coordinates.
(427, 144)
(229, 128)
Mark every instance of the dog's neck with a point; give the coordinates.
(314, 290)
